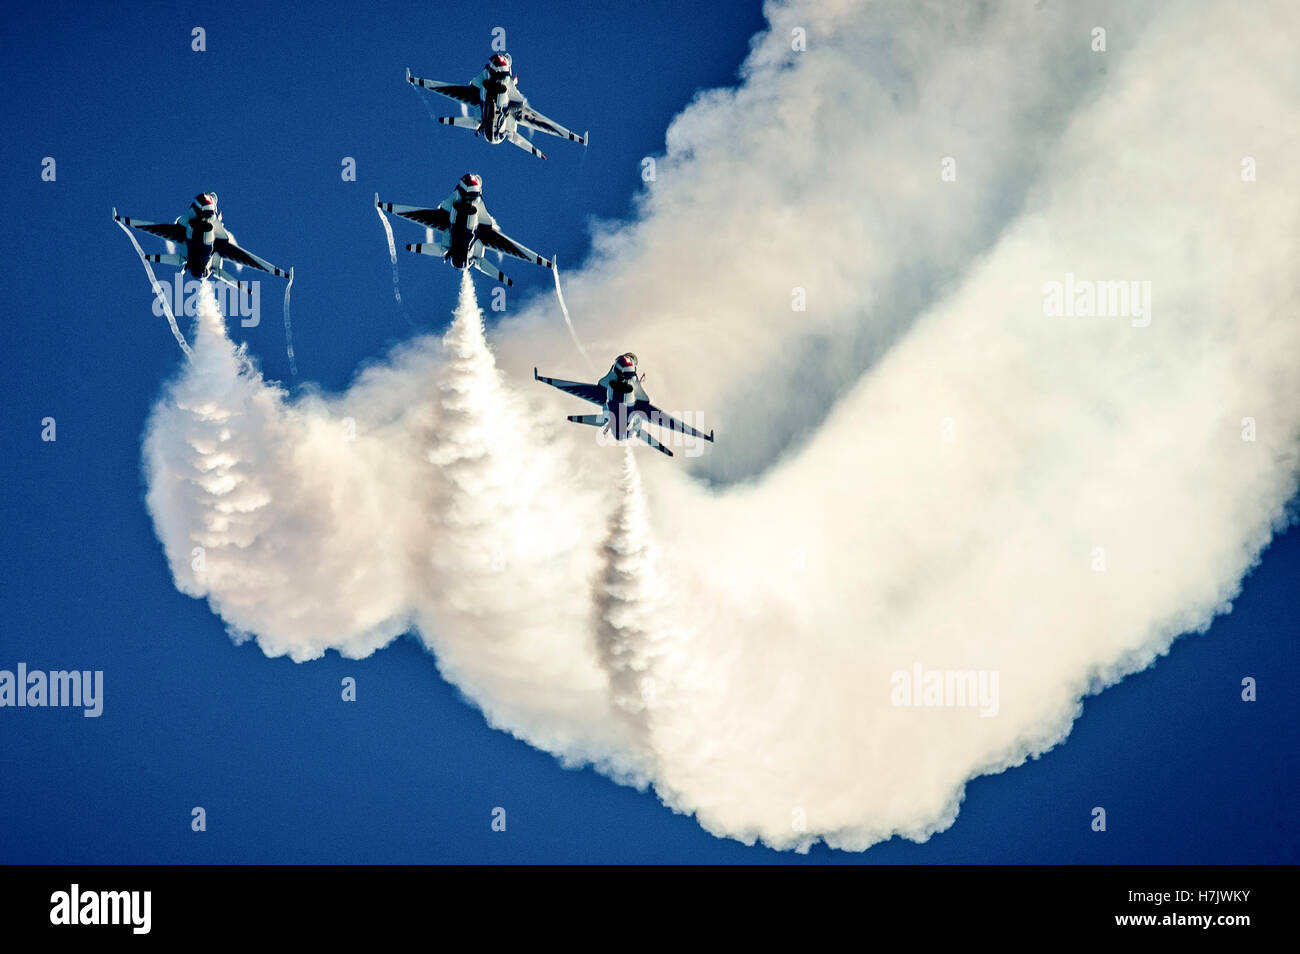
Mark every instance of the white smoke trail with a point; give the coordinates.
(946, 510)
(288, 329)
(246, 490)
(629, 628)
(158, 287)
(392, 252)
(510, 547)
(555, 273)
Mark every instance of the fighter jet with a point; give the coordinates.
(464, 231)
(499, 109)
(207, 242)
(625, 409)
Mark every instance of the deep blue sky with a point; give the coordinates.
(135, 119)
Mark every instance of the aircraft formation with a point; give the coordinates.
(462, 233)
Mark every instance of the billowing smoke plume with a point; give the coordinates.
(512, 545)
(960, 482)
(630, 627)
(257, 501)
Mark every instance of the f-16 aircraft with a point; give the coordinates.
(500, 108)
(464, 231)
(625, 408)
(208, 244)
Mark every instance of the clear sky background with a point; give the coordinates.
(286, 772)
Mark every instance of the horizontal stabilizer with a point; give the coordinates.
(654, 443)
(244, 288)
(524, 144)
(464, 122)
(427, 248)
(491, 271)
(166, 258)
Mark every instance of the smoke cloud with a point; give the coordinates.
(927, 473)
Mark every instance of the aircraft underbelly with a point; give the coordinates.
(462, 240)
(494, 122)
(197, 255)
(620, 417)
(617, 421)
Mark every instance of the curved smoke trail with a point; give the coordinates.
(158, 287)
(288, 329)
(555, 273)
(392, 251)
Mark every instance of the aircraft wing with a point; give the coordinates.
(588, 392)
(439, 219)
(664, 419)
(171, 231)
(461, 94)
(531, 117)
(231, 252)
(500, 242)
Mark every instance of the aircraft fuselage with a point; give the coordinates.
(497, 118)
(620, 396)
(200, 238)
(495, 112)
(460, 237)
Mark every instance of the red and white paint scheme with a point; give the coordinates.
(492, 105)
(463, 230)
(625, 407)
(207, 242)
